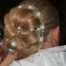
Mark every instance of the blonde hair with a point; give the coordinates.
(27, 41)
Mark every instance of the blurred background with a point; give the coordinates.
(60, 5)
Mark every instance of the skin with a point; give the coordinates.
(12, 56)
(2, 55)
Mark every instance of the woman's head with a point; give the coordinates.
(24, 25)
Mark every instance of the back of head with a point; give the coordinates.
(23, 21)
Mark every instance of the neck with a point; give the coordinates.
(46, 45)
(49, 42)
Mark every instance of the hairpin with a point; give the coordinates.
(41, 39)
(20, 6)
(42, 27)
(32, 29)
(30, 7)
(38, 14)
(13, 44)
(19, 28)
(11, 50)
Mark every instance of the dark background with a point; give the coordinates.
(6, 5)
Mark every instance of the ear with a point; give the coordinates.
(55, 33)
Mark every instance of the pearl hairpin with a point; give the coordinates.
(38, 14)
(20, 6)
(10, 50)
(19, 28)
(42, 27)
(32, 29)
(30, 7)
(1, 43)
(41, 39)
(13, 44)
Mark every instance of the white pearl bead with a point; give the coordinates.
(20, 6)
(42, 27)
(38, 14)
(13, 44)
(32, 29)
(1, 43)
(30, 7)
(38, 28)
(19, 28)
(41, 39)
(10, 50)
